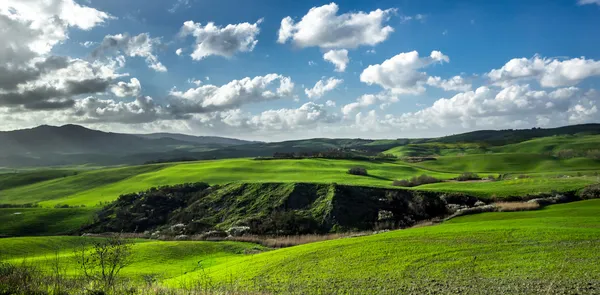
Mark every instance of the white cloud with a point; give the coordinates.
(515, 106)
(337, 57)
(221, 41)
(322, 27)
(371, 51)
(330, 103)
(196, 82)
(407, 18)
(585, 2)
(179, 51)
(367, 100)
(178, 4)
(123, 89)
(141, 45)
(210, 98)
(48, 21)
(309, 114)
(94, 110)
(322, 86)
(312, 63)
(548, 72)
(400, 74)
(456, 83)
(88, 44)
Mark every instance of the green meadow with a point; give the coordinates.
(525, 251)
(90, 188)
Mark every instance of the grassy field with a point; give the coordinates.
(513, 187)
(544, 145)
(552, 251)
(553, 144)
(43, 221)
(509, 163)
(92, 187)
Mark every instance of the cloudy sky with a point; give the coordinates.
(286, 69)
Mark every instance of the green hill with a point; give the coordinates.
(553, 249)
(90, 188)
(509, 163)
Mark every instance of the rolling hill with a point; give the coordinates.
(549, 251)
(76, 145)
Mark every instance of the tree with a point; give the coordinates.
(104, 260)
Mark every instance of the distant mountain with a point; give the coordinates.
(502, 137)
(76, 145)
(74, 139)
(204, 140)
(73, 144)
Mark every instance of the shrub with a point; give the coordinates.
(468, 176)
(516, 206)
(591, 192)
(565, 154)
(593, 154)
(415, 181)
(523, 176)
(357, 171)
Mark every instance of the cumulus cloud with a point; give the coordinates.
(400, 74)
(456, 83)
(141, 45)
(323, 86)
(211, 98)
(123, 89)
(330, 103)
(323, 27)
(94, 110)
(367, 100)
(30, 77)
(39, 25)
(337, 57)
(55, 89)
(221, 41)
(515, 106)
(548, 72)
(179, 51)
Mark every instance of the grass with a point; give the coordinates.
(90, 188)
(509, 163)
(514, 187)
(555, 248)
(15, 179)
(93, 187)
(65, 186)
(436, 149)
(42, 221)
(553, 144)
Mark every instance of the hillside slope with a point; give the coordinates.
(550, 251)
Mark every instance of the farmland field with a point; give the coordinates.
(519, 251)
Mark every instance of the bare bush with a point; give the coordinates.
(415, 181)
(104, 260)
(516, 206)
(466, 176)
(593, 154)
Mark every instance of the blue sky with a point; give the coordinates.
(415, 68)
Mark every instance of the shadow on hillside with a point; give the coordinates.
(378, 177)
